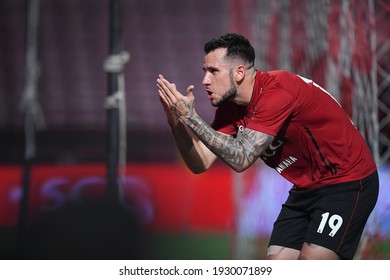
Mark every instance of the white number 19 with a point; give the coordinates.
(334, 223)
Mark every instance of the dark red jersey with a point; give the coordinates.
(315, 144)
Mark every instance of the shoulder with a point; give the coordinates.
(280, 76)
(271, 80)
(274, 84)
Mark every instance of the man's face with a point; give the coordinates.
(218, 77)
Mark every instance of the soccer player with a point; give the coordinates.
(295, 127)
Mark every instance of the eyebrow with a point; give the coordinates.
(210, 68)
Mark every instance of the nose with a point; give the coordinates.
(206, 80)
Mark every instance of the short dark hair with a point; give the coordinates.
(236, 45)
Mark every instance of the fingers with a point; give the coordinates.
(190, 94)
(164, 97)
(178, 104)
(168, 89)
(165, 90)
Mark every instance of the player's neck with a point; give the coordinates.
(245, 90)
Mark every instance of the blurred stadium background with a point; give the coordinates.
(343, 45)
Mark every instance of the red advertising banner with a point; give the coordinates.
(164, 196)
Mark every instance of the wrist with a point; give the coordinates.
(173, 122)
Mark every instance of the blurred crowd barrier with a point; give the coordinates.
(167, 197)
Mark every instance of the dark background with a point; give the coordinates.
(167, 36)
(161, 36)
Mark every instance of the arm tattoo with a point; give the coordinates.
(237, 153)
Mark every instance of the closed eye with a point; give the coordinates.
(210, 69)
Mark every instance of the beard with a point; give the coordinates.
(229, 94)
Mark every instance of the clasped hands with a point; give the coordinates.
(180, 106)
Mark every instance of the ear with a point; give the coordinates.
(240, 73)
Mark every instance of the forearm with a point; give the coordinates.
(239, 154)
(196, 156)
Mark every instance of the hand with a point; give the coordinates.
(173, 101)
